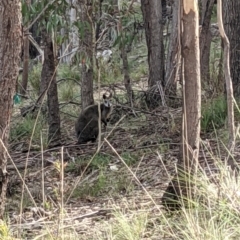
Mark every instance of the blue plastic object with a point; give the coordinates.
(16, 99)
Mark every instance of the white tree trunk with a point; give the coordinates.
(69, 48)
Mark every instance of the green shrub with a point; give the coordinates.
(23, 129)
(214, 114)
(34, 78)
(66, 71)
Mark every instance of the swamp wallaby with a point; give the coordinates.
(86, 126)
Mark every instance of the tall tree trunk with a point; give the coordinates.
(152, 15)
(205, 61)
(63, 50)
(220, 84)
(231, 21)
(127, 80)
(192, 90)
(73, 34)
(181, 186)
(173, 57)
(229, 86)
(48, 79)
(25, 63)
(10, 49)
(205, 39)
(87, 53)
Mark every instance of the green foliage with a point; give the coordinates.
(111, 72)
(25, 12)
(34, 78)
(128, 18)
(48, 9)
(82, 27)
(23, 129)
(67, 72)
(68, 78)
(214, 114)
(50, 16)
(93, 189)
(66, 92)
(100, 161)
(139, 71)
(106, 181)
(129, 158)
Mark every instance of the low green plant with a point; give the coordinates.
(109, 72)
(129, 158)
(66, 91)
(140, 72)
(163, 147)
(122, 184)
(67, 72)
(100, 161)
(93, 189)
(34, 78)
(24, 128)
(214, 114)
(68, 83)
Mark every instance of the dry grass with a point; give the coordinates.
(117, 194)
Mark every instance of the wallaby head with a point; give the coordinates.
(86, 126)
(106, 100)
(106, 108)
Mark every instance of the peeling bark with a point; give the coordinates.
(181, 187)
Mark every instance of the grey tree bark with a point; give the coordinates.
(229, 85)
(205, 39)
(152, 16)
(48, 79)
(173, 57)
(86, 45)
(231, 19)
(10, 49)
(25, 63)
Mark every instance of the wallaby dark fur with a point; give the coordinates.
(86, 126)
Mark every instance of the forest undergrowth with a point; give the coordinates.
(75, 193)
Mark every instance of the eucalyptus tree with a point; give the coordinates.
(153, 22)
(104, 25)
(181, 186)
(205, 39)
(125, 18)
(231, 18)
(24, 83)
(173, 57)
(10, 48)
(49, 16)
(86, 28)
(125, 40)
